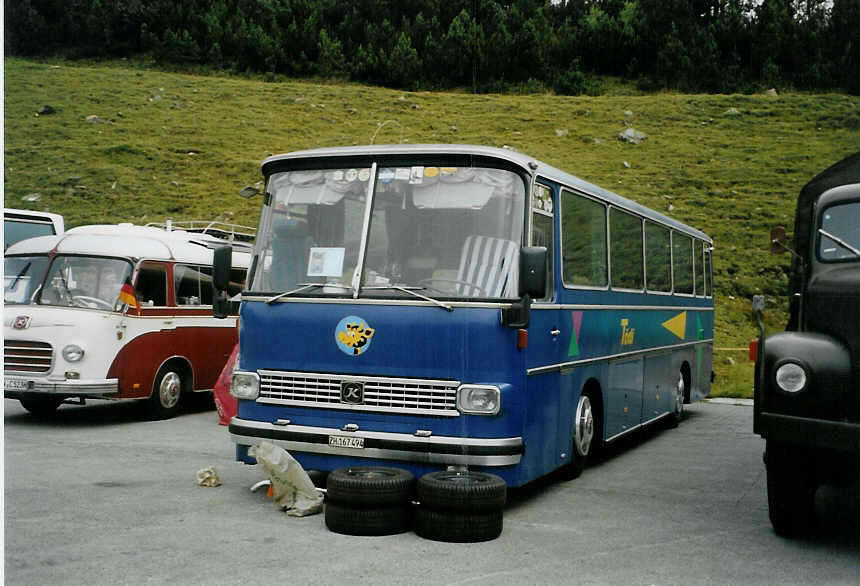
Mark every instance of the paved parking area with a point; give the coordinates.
(99, 495)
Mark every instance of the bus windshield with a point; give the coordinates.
(840, 233)
(450, 232)
(71, 281)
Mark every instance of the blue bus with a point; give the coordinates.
(438, 307)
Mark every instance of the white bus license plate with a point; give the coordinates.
(340, 441)
(15, 384)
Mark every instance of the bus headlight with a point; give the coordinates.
(790, 377)
(479, 399)
(73, 353)
(245, 385)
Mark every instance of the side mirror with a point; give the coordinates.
(778, 240)
(221, 264)
(532, 284)
(533, 271)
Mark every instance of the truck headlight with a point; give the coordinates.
(479, 399)
(790, 377)
(245, 385)
(73, 353)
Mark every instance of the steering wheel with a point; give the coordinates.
(471, 287)
(89, 302)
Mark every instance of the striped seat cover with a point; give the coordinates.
(488, 267)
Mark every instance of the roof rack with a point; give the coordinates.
(233, 233)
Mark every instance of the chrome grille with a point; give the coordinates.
(390, 395)
(26, 356)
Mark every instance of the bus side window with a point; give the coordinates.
(625, 250)
(699, 264)
(709, 276)
(658, 258)
(152, 285)
(583, 241)
(682, 263)
(186, 286)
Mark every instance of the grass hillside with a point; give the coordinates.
(137, 145)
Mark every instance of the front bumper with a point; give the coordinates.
(436, 450)
(15, 387)
(839, 436)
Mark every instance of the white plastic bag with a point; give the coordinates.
(292, 488)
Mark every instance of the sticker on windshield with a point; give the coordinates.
(402, 174)
(363, 174)
(353, 335)
(386, 175)
(416, 177)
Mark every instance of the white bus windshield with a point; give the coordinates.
(451, 232)
(71, 281)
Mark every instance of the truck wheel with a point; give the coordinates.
(790, 491)
(360, 521)
(461, 491)
(41, 406)
(370, 486)
(163, 403)
(458, 527)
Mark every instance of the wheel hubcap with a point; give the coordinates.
(169, 389)
(584, 432)
(679, 395)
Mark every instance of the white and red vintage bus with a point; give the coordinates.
(115, 312)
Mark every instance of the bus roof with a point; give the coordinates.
(130, 241)
(475, 153)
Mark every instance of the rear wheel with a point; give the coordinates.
(680, 393)
(42, 406)
(167, 390)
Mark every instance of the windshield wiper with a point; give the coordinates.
(305, 286)
(840, 242)
(19, 275)
(411, 291)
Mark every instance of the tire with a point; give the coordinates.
(458, 527)
(583, 438)
(42, 406)
(680, 393)
(461, 491)
(790, 491)
(360, 521)
(166, 395)
(370, 486)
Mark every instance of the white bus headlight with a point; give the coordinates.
(791, 377)
(479, 399)
(73, 353)
(245, 385)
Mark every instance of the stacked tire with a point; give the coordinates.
(369, 500)
(460, 507)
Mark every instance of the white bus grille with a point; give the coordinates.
(26, 356)
(390, 395)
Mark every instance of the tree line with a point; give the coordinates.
(486, 45)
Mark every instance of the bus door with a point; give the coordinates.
(551, 404)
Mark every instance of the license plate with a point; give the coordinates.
(15, 384)
(340, 441)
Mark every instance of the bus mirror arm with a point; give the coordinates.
(532, 284)
(221, 261)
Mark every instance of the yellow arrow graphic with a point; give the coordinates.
(677, 325)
